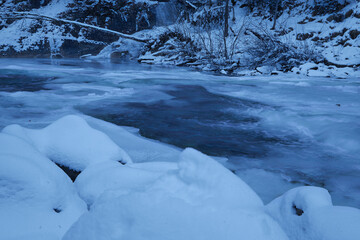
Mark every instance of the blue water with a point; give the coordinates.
(193, 117)
(278, 131)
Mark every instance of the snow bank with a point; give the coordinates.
(216, 183)
(71, 142)
(193, 198)
(150, 150)
(98, 178)
(37, 199)
(308, 213)
(199, 200)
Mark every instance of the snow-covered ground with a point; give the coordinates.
(194, 197)
(277, 133)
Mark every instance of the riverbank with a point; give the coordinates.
(325, 44)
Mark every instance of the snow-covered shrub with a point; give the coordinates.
(171, 46)
(322, 7)
(23, 5)
(208, 18)
(266, 49)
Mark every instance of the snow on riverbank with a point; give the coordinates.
(184, 195)
(37, 199)
(57, 142)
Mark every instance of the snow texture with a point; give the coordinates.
(190, 197)
(71, 142)
(37, 199)
(201, 200)
(308, 213)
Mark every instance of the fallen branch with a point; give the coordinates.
(189, 4)
(22, 15)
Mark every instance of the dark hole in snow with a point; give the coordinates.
(57, 210)
(121, 162)
(298, 211)
(70, 172)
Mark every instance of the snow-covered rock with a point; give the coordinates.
(71, 142)
(150, 150)
(98, 178)
(37, 199)
(308, 213)
(199, 200)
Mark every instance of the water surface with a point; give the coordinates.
(277, 132)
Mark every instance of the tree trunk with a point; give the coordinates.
(226, 26)
(226, 19)
(233, 2)
(275, 14)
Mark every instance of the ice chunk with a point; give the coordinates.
(71, 142)
(37, 199)
(308, 213)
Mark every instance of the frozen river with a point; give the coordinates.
(276, 131)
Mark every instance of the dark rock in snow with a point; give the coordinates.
(354, 33)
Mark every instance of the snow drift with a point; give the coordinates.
(201, 199)
(308, 213)
(37, 199)
(71, 142)
(190, 197)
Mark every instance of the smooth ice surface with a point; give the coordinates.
(71, 142)
(278, 132)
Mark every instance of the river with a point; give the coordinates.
(277, 132)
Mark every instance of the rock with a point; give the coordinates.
(339, 17)
(304, 36)
(354, 33)
(349, 13)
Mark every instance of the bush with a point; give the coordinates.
(269, 50)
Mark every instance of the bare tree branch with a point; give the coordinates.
(28, 15)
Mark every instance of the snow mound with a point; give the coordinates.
(150, 150)
(198, 200)
(37, 199)
(98, 178)
(71, 142)
(308, 213)
(217, 184)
